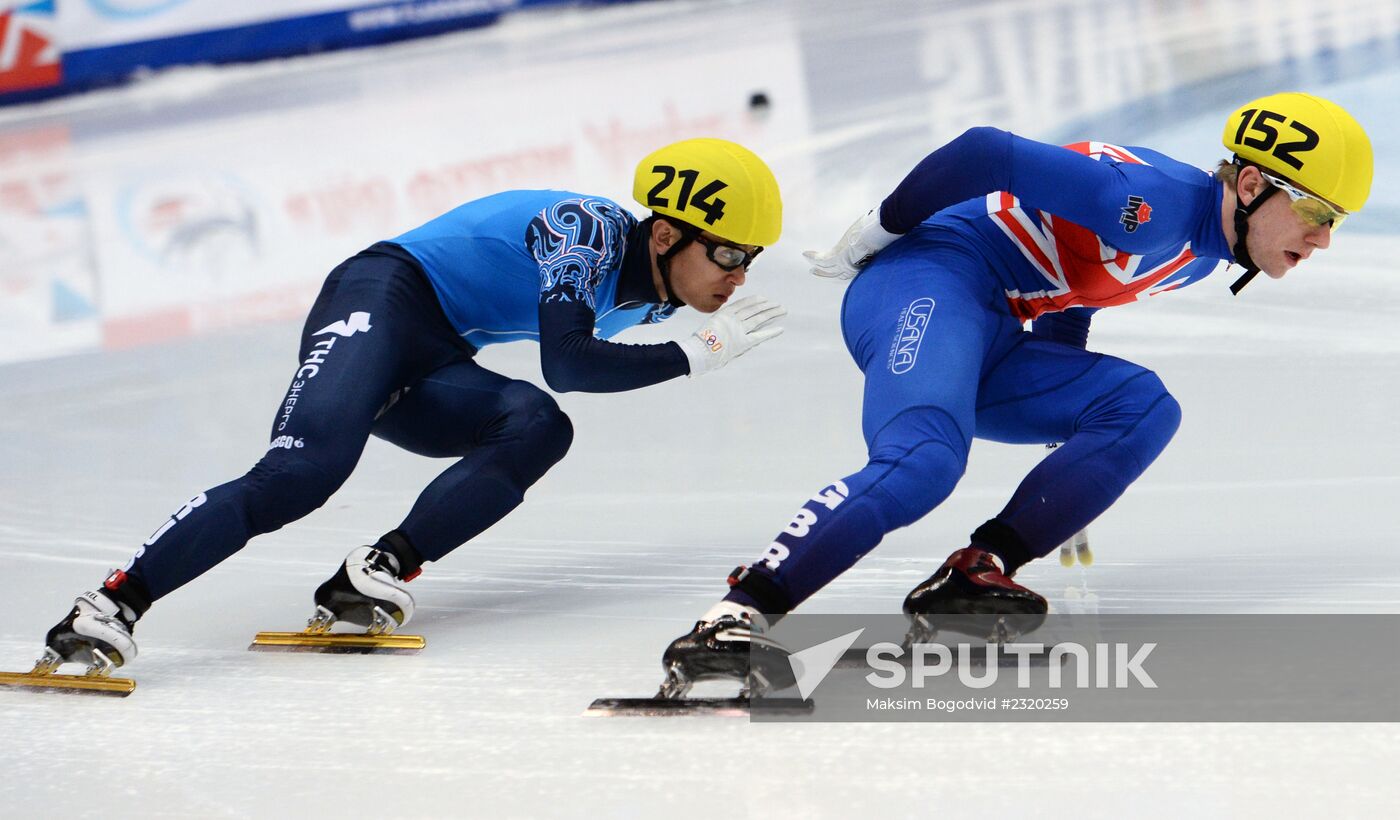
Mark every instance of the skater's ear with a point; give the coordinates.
(1249, 184)
(664, 234)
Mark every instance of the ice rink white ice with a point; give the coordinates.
(199, 210)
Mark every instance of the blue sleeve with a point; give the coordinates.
(1086, 191)
(576, 243)
(1070, 326)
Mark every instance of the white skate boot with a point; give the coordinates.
(366, 591)
(96, 633)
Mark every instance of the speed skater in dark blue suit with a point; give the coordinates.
(388, 350)
(987, 233)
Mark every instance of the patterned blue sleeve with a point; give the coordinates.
(576, 242)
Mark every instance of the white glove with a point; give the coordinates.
(730, 332)
(861, 241)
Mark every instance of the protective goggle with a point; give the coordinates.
(726, 256)
(1309, 208)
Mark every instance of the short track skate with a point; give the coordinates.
(378, 638)
(705, 654)
(96, 633)
(44, 676)
(674, 700)
(364, 592)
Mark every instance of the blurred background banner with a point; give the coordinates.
(204, 212)
(52, 47)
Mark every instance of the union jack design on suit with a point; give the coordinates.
(1078, 267)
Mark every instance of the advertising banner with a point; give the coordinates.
(29, 53)
(165, 227)
(52, 47)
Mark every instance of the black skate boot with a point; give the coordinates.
(366, 591)
(721, 647)
(971, 594)
(96, 633)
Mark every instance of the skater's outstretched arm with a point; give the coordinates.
(572, 358)
(576, 248)
(1051, 178)
(1058, 180)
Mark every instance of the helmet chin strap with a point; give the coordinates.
(1241, 250)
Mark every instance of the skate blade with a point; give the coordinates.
(338, 642)
(73, 684)
(685, 707)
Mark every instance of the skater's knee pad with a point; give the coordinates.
(915, 462)
(533, 417)
(1139, 410)
(283, 488)
(551, 433)
(1137, 405)
(1156, 428)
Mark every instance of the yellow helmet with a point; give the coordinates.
(1308, 140)
(715, 185)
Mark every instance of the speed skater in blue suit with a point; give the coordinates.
(987, 233)
(388, 350)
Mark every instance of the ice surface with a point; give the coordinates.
(140, 373)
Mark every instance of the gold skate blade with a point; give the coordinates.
(342, 642)
(75, 684)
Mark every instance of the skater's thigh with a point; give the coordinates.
(454, 408)
(920, 331)
(1041, 390)
(362, 342)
